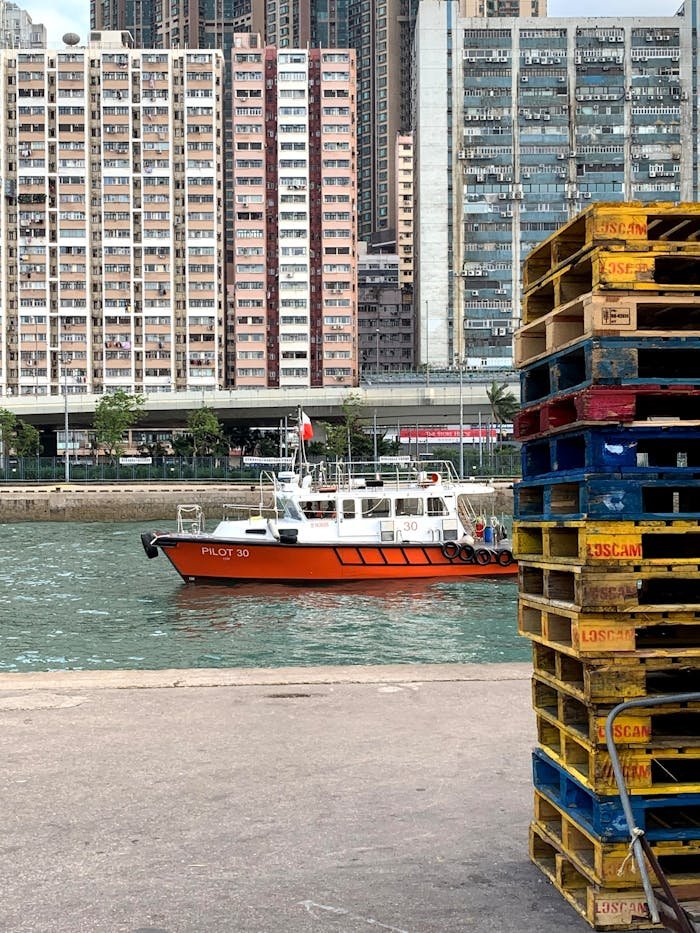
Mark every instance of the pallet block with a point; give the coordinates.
(591, 634)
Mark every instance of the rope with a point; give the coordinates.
(637, 833)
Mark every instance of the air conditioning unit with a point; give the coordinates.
(506, 213)
(561, 156)
(502, 197)
(526, 174)
(501, 291)
(475, 294)
(652, 174)
(524, 79)
(587, 195)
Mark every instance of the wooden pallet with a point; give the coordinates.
(606, 863)
(612, 680)
(585, 589)
(673, 770)
(656, 452)
(607, 223)
(607, 633)
(644, 544)
(623, 314)
(662, 817)
(664, 726)
(663, 361)
(597, 496)
(603, 908)
(652, 404)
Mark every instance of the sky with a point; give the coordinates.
(74, 15)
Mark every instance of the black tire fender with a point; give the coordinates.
(482, 556)
(450, 550)
(466, 553)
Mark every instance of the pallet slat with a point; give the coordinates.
(608, 223)
(606, 863)
(600, 496)
(666, 361)
(630, 315)
(643, 543)
(653, 451)
(600, 634)
(612, 680)
(662, 817)
(639, 406)
(603, 908)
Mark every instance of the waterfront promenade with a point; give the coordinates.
(271, 801)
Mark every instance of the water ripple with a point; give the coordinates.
(84, 596)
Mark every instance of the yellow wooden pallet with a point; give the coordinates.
(645, 769)
(602, 271)
(612, 680)
(608, 863)
(666, 726)
(607, 223)
(662, 589)
(605, 908)
(605, 635)
(618, 314)
(643, 543)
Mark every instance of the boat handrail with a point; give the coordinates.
(348, 474)
(236, 511)
(190, 519)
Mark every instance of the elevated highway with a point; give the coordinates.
(432, 403)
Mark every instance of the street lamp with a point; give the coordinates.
(460, 364)
(63, 360)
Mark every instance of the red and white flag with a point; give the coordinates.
(305, 427)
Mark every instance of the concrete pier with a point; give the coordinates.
(271, 801)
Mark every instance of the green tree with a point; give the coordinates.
(114, 415)
(182, 445)
(206, 432)
(27, 440)
(503, 403)
(8, 423)
(155, 449)
(352, 430)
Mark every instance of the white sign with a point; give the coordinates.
(269, 461)
(135, 461)
(394, 459)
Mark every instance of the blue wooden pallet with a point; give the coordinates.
(659, 451)
(613, 361)
(667, 817)
(607, 496)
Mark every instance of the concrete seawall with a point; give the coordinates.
(93, 503)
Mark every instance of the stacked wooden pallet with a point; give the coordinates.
(607, 536)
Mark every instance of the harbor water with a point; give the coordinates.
(84, 597)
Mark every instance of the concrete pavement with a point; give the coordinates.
(295, 801)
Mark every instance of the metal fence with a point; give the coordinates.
(499, 463)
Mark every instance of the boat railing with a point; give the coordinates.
(239, 511)
(369, 473)
(190, 519)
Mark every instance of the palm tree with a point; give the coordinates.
(503, 403)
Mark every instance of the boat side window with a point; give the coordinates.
(292, 510)
(375, 508)
(436, 506)
(409, 506)
(348, 508)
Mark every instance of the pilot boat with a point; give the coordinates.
(378, 521)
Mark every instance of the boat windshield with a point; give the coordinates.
(289, 508)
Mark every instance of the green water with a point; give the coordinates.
(84, 597)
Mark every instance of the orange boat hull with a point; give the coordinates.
(208, 560)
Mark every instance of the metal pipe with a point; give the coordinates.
(65, 420)
(634, 830)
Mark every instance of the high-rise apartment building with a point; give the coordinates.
(503, 7)
(300, 23)
(403, 154)
(385, 317)
(17, 31)
(294, 238)
(112, 271)
(521, 123)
